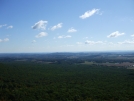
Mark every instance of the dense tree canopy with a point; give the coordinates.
(29, 81)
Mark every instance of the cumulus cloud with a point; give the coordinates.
(79, 43)
(60, 37)
(33, 41)
(89, 13)
(132, 35)
(93, 42)
(69, 45)
(56, 26)
(71, 30)
(85, 38)
(10, 27)
(115, 34)
(40, 25)
(67, 36)
(54, 38)
(42, 34)
(127, 42)
(3, 25)
(4, 40)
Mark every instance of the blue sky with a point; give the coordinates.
(66, 25)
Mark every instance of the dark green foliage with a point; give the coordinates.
(28, 81)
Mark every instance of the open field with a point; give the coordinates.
(127, 65)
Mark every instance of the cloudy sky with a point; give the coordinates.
(66, 25)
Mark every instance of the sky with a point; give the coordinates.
(28, 26)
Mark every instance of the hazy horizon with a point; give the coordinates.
(111, 51)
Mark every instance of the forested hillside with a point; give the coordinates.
(29, 81)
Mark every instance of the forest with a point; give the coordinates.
(64, 77)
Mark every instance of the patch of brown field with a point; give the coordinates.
(124, 64)
(88, 63)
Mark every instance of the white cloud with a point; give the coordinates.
(60, 37)
(79, 43)
(54, 38)
(132, 35)
(115, 34)
(72, 30)
(93, 42)
(99, 13)
(85, 38)
(10, 27)
(89, 13)
(40, 25)
(3, 25)
(33, 41)
(42, 34)
(127, 42)
(70, 45)
(67, 36)
(56, 26)
(111, 43)
(4, 40)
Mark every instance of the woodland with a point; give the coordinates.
(63, 79)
